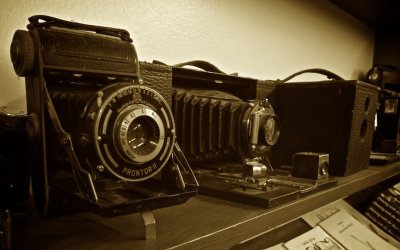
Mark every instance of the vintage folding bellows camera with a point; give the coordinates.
(221, 122)
(98, 133)
(226, 127)
(386, 138)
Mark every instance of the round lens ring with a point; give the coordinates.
(133, 131)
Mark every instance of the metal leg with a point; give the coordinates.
(149, 222)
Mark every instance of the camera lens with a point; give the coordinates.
(260, 129)
(134, 131)
(143, 135)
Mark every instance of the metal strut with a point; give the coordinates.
(82, 177)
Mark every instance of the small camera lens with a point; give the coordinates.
(271, 130)
(374, 75)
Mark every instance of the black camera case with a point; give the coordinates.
(334, 117)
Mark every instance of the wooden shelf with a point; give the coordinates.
(202, 222)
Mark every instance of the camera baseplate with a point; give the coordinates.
(276, 188)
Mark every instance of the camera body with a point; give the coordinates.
(223, 121)
(331, 116)
(386, 138)
(97, 132)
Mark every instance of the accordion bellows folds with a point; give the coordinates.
(207, 123)
(207, 107)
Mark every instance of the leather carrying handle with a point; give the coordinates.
(325, 72)
(47, 21)
(204, 65)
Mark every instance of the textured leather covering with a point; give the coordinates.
(159, 78)
(85, 52)
(266, 89)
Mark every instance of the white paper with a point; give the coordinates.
(351, 233)
(315, 238)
